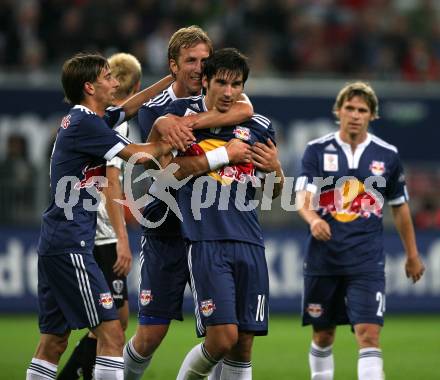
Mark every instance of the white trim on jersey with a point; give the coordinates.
(84, 288)
(397, 201)
(158, 102)
(353, 158)
(383, 143)
(262, 120)
(200, 326)
(121, 115)
(84, 109)
(112, 152)
(322, 139)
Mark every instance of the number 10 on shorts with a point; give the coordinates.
(260, 308)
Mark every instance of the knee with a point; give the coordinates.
(124, 324)
(367, 336)
(52, 347)
(324, 338)
(149, 338)
(221, 339)
(112, 339)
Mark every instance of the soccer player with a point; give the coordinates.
(225, 246)
(112, 250)
(164, 269)
(72, 290)
(344, 278)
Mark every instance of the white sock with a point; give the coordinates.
(41, 369)
(233, 370)
(216, 372)
(370, 364)
(134, 363)
(197, 364)
(321, 362)
(109, 368)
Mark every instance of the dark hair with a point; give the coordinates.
(226, 60)
(78, 70)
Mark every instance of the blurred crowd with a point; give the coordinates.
(372, 39)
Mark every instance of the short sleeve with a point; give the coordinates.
(114, 116)
(146, 118)
(309, 170)
(97, 139)
(117, 162)
(396, 191)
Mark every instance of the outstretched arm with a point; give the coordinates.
(414, 267)
(132, 105)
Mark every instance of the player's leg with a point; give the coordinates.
(213, 287)
(237, 364)
(366, 307)
(323, 308)
(164, 274)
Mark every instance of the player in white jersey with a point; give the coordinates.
(112, 250)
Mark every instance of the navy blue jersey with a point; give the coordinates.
(227, 222)
(84, 142)
(156, 209)
(352, 207)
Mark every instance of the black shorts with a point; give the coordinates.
(105, 256)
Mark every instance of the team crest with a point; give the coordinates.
(207, 307)
(330, 162)
(189, 111)
(65, 122)
(145, 297)
(242, 133)
(118, 286)
(106, 300)
(377, 167)
(315, 310)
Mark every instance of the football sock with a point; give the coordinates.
(41, 369)
(370, 364)
(197, 364)
(236, 370)
(109, 368)
(216, 372)
(321, 362)
(81, 361)
(134, 364)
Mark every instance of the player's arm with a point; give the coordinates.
(265, 159)
(319, 228)
(146, 151)
(132, 105)
(233, 152)
(174, 129)
(414, 267)
(115, 213)
(242, 110)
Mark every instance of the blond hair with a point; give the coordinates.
(185, 38)
(361, 89)
(128, 71)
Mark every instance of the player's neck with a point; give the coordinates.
(353, 139)
(180, 90)
(94, 106)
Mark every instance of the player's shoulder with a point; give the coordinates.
(159, 101)
(321, 141)
(80, 115)
(381, 144)
(261, 120)
(189, 105)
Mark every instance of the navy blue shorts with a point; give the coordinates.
(164, 275)
(230, 285)
(72, 293)
(106, 256)
(339, 300)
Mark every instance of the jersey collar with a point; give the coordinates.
(83, 108)
(353, 157)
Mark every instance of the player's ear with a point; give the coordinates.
(89, 88)
(205, 82)
(174, 68)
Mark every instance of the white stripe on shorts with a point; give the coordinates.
(200, 326)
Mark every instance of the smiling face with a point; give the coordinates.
(105, 88)
(223, 90)
(188, 69)
(354, 117)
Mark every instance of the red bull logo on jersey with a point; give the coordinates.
(315, 310)
(65, 122)
(145, 297)
(92, 176)
(242, 133)
(239, 173)
(106, 300)
(207, 307)
(349, 202)
(377, 167)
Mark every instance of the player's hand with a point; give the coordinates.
(320, 229)
(414, 268)
(265, 156)
(124, 258)
(239, 152)
(177, 131)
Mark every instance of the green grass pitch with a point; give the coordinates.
(411, 349)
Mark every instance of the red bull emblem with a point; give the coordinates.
(145, 297)
(106, 300)
(315, 310)
(92, 176)
(377, 167)
(242, 133)
(237, 173)
(207, 307)
(349, 202)
(65, 122)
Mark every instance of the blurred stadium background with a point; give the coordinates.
(301, 52)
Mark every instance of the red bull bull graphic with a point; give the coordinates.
(106, 300)
(92, 176)
(145, 297)
(349, 202)
(207, 307)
